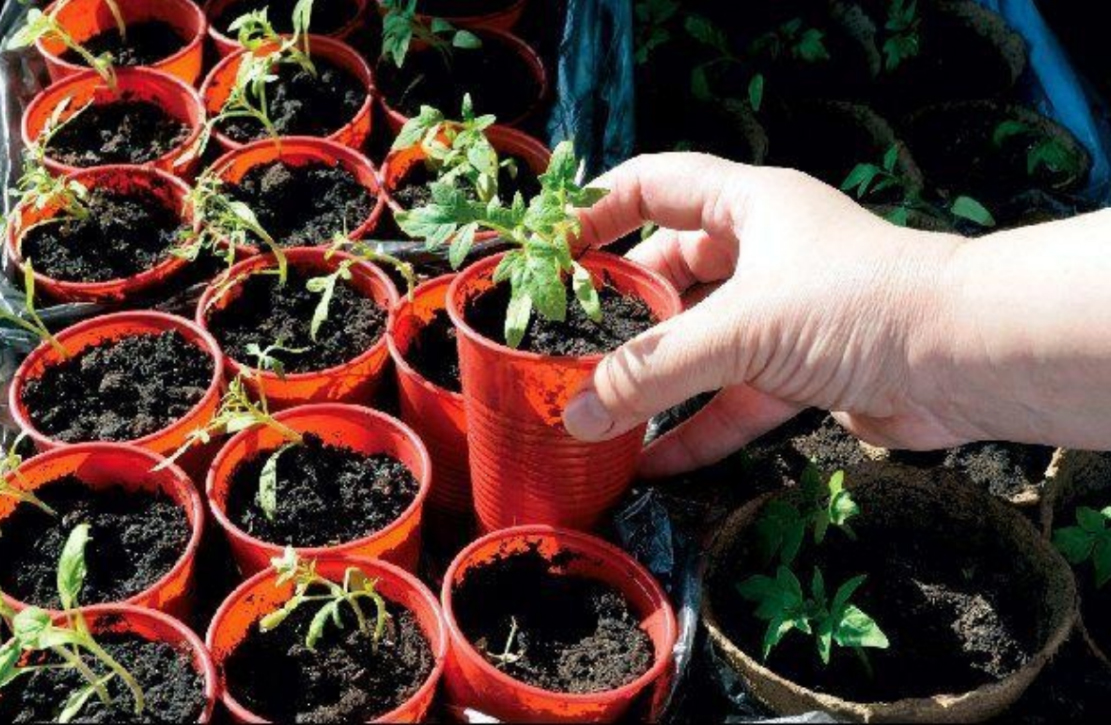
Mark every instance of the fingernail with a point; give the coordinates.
(586, 418)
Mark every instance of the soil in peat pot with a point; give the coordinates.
(121, 132)
(328, 16)
(303, 104)
(136, 537)
(173, 691)
(1003, 469)
(433, 353)
(623, 318)
(304, 205)
(265, 311)
(574, 635)
(327, 495)
(147, 43)
(414, 190)
(346, 679)
(123, 235)
(119, 390)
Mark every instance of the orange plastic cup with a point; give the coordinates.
(504, 19)
(361, 429)
(84, 19)
(525, 467)
(103, 465)
(219, 83)
(355, 381)
(261, 594)
(300, 151)
(226, 45)
(112, 327)
(170, 190)
(473, 682)
(172, 94)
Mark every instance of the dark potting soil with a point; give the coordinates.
(328, 16)
(173, 691)
(623, 318)
(304, 205)
(327, 495)
(136, 537)
(574, 634)
(414, 190)
(346, 679)
(266, 311)
(124, 234)
(121, 132)
(121, 389)
(825, 442)
(147, 43)
(434, 355)
(302, 104)
(1004, 469)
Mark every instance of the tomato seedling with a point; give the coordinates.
(1044, 151)
(10, 473)
(1088, 541)
(652, 31)
(30, 321)
(45, 25)
(401, 25)
(902, 40)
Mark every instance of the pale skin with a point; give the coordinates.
(801, 298)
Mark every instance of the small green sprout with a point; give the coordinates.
(401, 25)
(902, 26)
(33, 323)
(792, 39)
(266, 359)
(872, 179)
(652, 18)
(45, 25)
(326, 287)
(1046, 151)
(1089, 540)
(10, 473)
(782, 525)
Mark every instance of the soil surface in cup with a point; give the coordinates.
(326, 495)
(499, 81)
(120, 132)
(414, 189)
(303, 104)
(461, 8)
(136, 537)
(1003, 469)
(146, 43)
(433, 353)
(562, 633)
(173, 690)
(122, 235)
(119, 390)
(623, 318)
(304, 205)
(265, 311)
(347, 679)
(328, 16)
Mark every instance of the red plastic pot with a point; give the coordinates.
(525, 468)
(396, 119)
(354, 381)
(104, 465)
(473, 682)
(170, 190)
(219, 83)
(300, 151)
(133, 84)
(84, 19)
(262, 594)
(504, 19)
(226, 45)
(360, 429)
(112, 327)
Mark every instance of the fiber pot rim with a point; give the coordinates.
(577, 539)
(399, 357)
(226, 45)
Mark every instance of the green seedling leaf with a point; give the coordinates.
(401, 25)
(965, 207)
(326, 288)
(1088, 541)
(268, 483)
(78, 698)
(756, 92)
(72, 569)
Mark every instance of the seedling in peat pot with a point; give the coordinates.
(723, 60)
(42, 25)
(794, 40)
(401, 25)
(902, 40)
(1089, 540)
(9, 473)
(782, 526)
(652, 31)
(73, 644)
(1045, 151)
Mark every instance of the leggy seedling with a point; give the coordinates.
(43, 25)
(33, 323)
(1089, 540)
(401, 25)
(10, 474)
(325, 286)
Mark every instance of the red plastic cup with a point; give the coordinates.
(261, 594)
(396, 119)
(504, 19)
(354, 381)
(507, 141)
(226, 45)
(361, 429)
(300, 151)
(219, 83)
(84, 19)
(133, 180)
(112, 327)
(525, 467)
(172, 94)
(104, 465)
(473, 682)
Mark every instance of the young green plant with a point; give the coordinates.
(1044, 151)
(13, 484)
(267, 358)
(793, 39)
(30, 321)
(401, 26)
(902, 40)
(1088, 541)
(45, 25)
(723, 60)
(652, 20)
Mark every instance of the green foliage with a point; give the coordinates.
(793, 40)
(902, 26)
(1044, 151)
(782, 526)
(965, 207)
(38, 188)
(1088, 541)
(401, 25)
(375, 254)
(652, 18)
(266, 358)
(10, 474)
(326, 287)
(32, 322)
(44, 25)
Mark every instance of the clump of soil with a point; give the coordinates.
(265, 311)
(173, 691)
(304, 205)
(433, 353)
(346, 679)
(414, 189)
(1003, 469)
(303, 104)
(327, 495)
(328, 16)
(123, 235)
(121, 132)
(136, 537)
(825, 442)
(623, 318)
(147, 43)
(574, 635)
(121, 389)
